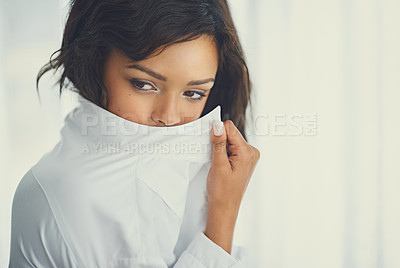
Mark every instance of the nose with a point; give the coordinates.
(166, 112)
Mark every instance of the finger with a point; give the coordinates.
(218, 141)
(234, 137)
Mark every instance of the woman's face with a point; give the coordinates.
(165, 90)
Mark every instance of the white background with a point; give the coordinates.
(322, 199)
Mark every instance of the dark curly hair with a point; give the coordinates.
(138, 28)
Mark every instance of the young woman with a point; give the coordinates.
(139, 177)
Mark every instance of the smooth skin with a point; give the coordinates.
(171, 89)
(227, 182)
(166, 89)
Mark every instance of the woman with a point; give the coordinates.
(138, 179)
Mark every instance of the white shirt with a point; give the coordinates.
(114, 193)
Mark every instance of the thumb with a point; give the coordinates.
(218, 141)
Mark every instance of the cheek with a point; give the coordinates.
(191, 112)
(136, 108)
(128, 104)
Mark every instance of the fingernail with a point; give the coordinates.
(218, 128)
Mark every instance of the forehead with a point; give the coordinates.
(198, 57)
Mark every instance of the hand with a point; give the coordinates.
(229, 176)
(227, 181)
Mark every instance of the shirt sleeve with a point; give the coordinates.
(32, 224)
(204, 253)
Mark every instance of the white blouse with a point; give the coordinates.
(114, 193)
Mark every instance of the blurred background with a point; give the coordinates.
(326, 76)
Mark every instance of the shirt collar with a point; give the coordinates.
(99, 126)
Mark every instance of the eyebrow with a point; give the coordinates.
(163, 78)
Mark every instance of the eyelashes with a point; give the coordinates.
(140, 85)
(143, 86)
(192, 93)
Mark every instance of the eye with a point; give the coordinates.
(141, 85)
(195, 95)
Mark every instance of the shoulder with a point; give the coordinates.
(27, 190)
(29, 202)
(36, 239)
